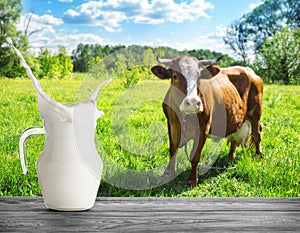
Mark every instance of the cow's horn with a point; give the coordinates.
(209, 62)
(164, 61)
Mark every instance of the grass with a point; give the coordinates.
(132, 141)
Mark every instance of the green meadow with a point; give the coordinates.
(132, 140)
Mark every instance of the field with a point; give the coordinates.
(132, 141)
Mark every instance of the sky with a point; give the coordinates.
(180, 24)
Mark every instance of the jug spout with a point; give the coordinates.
(37, 130)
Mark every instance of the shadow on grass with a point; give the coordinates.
(173, 187)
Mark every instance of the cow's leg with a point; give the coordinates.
(256, 127)
(232, 150)
(195, 157)
(174, 138)
(256, 136)
(170, 170)
(254, 115)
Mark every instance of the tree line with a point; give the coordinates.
(130, 63)
(84, 55)
(267, 39)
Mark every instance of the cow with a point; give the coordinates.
(204, 100)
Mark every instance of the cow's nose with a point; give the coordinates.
(192, 105)
(192, 102)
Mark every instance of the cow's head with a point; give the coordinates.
(185, 73)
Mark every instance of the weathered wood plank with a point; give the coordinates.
(29, 214)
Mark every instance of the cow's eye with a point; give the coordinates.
(175, 77)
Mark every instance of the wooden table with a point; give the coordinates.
(28, 214)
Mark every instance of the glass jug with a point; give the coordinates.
(69, 168)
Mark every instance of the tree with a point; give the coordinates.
(278, 60)
(10, 11)
(64, 62)
(96, 67)
(237, 39)
(292, 13)
(264, 21)
(81, 56)
(27, 22)
(149, 57)
(246, 35)
(86, 52)
(54, 66)
(44, 59)
(149, 60)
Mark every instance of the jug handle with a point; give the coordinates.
(36, 130)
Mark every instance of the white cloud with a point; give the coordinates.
(212, 41)
(72, 13)
(47, 19)
(110, 14)
(65, 0)
(254, 5)
(49, 36)
(69, 41)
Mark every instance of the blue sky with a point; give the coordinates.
(181, 24)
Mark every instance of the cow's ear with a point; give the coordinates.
(161, 72)
(209, 72)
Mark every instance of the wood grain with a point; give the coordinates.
(28, 214)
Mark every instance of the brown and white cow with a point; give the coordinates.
(204, 99)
